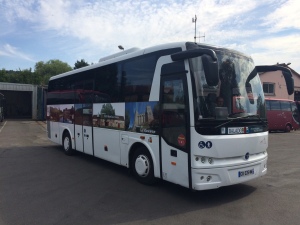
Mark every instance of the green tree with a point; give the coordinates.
(3, 76)
(108, 109)
(26, 76)
(80, 64)
(44, 71)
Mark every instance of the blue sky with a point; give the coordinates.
(71, 30)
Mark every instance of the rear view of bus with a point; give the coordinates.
(282, 114)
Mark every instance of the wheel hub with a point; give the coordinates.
(66, 144)
(142, 165)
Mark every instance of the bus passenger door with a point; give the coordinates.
(78, 90)
(87, 114)
(83, 118)
(174, 122)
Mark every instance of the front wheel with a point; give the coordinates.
(67, 144)
(142, 166)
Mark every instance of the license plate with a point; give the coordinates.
(245, 173)
(236, 130)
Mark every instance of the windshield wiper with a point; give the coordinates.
(244, 116)
(235, 115)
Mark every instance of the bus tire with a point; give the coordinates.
(288, 128)
(67, 144)
(142, 166)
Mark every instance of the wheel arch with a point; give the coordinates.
(64, 131)
(134, 147)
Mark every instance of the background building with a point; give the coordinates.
(24, 101)
(274, 84)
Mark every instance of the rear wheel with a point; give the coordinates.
(142, 166)
(288, 128)
(67, 144)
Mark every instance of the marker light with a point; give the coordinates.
(203, 159)
(223, 130)
(210, 160)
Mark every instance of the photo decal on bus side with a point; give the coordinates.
(142, 117)
(109, 115)
(61, 113)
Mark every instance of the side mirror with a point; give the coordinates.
(211, 70)
(289, 81)
(209, 61)
(286, 74)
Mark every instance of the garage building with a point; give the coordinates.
(23, 101)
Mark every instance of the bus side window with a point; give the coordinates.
(267, 105)
(275, 105)
(285, 106)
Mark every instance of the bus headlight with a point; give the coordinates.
(203, 159)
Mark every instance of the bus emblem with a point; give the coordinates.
(247, 156)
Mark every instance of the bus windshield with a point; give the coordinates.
(238, 94)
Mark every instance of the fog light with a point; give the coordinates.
(203, 159)
(210, 160)
(208, 178)
(197, 158)
(202, 177)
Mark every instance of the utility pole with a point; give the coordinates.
(194, 20)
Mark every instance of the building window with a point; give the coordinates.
(269, 88)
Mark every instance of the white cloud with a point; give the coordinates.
(11, 51)
(284, 17)
(93, 29)
(282, 49)
(141, 23)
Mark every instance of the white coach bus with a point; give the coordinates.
(155, 111)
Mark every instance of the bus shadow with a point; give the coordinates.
(211, 197)
(106, 190)
(159, 200)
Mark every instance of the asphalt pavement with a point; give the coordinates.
(39, 185)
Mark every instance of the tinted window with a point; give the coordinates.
(130, 80)
(107, 84)
(173, 68)
(275, 105)
(60, 91)
(174, 105)
(267, 105)
(285, 106)
(137, 76)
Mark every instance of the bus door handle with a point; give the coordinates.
(86, 135)
(78, 134)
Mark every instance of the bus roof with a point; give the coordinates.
(134, 52)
